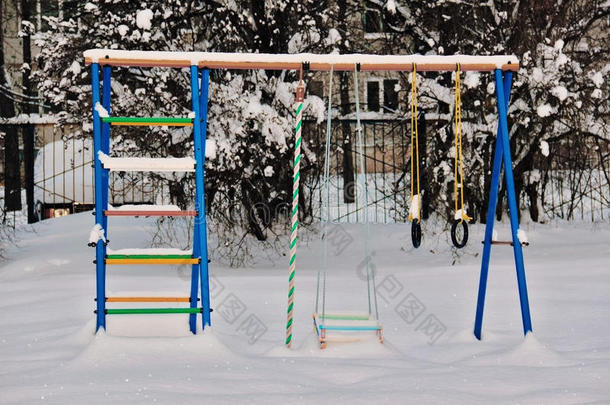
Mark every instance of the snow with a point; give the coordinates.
(32, 118)
(144, 207)
(544, 148)
(414, 207)
(333, 37)
(149, 251)
(598, 79)
(538, 75)
(142, 164)
(459, 214)
(122, 30)
(96, 233)
(559, 45)
(210, 149)
(143, 19)
(522, 236)
(49, 353)
(472, 80)
(560, 92)
(90, 7)
(544, 110)
(295, 60)
(269, 172)
(491, 88)
(75, 68)
(101, 110)
(391, 6)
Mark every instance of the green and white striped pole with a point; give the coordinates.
(294, 228)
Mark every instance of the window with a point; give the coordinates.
(382, 95)
(316, 88)
(373, 22)
(372, 95)
(377, 21)
(390, 94)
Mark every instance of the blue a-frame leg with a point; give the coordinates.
(200, 271)
(502, 154)
(105, 144)
(101, 193)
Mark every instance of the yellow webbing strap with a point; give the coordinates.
(414, 141)
(458, 148)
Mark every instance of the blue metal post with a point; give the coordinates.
(491, 213)
(194, 281)
(199, 133)
(512, 205)
(203, 232)
(105, 146)
(100, 267)
(195, 268)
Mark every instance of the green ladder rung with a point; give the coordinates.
(126, 311)
(140, 256)
(152, 120)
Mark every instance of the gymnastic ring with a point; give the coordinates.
(416, 233)
(459, 244)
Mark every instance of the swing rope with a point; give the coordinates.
(414, 138)
(415, 209)
(322, 272)
(294, 220)
(458, 151)
(326, 202)
(370, 276)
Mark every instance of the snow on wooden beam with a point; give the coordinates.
(215, 60)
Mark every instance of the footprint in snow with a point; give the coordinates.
(58, 262)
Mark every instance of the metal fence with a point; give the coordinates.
(568, 187)
(64, 176)
(386, 156)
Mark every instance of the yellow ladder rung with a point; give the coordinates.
(152, 261)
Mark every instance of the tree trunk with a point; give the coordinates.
(349, 194)
(28, 131)
(425, 189)
(12, 186)
(349, 189)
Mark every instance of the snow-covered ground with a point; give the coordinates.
(48, 352)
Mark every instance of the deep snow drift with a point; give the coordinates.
(48, 351)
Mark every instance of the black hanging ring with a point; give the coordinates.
(416, 233)
(454, 238)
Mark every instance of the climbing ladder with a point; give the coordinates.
(198, 257)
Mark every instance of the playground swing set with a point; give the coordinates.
(200, 64)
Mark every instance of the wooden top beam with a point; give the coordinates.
(246, 61)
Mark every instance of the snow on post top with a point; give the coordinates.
(219, 60)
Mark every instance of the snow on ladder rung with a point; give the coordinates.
(142, 164)
(148, 210)
(149, 251)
